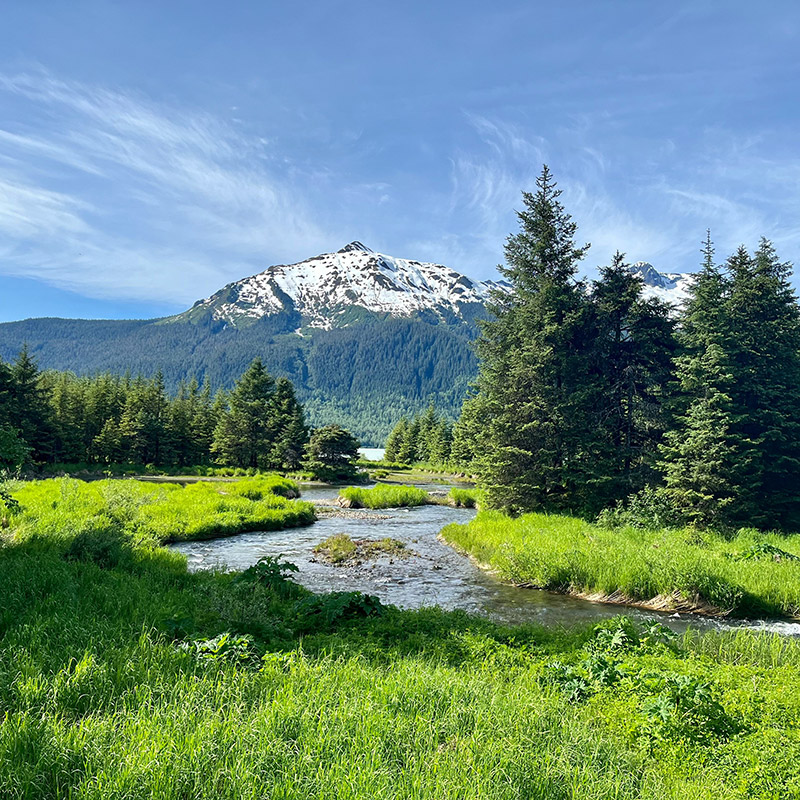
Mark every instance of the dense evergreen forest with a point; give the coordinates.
(363, 377)
(58, 417)
(590, 397)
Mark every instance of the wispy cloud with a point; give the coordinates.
(112, 195)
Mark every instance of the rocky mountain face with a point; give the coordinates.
(333, 290)
(672, 287)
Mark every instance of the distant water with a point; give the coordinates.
(372, 453)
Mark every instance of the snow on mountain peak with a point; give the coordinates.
(323, 289)
(672, 287)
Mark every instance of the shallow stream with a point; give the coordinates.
(434, 574)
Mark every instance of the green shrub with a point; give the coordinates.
(324, 612)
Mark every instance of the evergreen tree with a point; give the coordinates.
(29, 411)
(536, 358)
(332, 454)
(765, 355)
(635, 348)
(394, 444)
(291, 430)
(246, 432)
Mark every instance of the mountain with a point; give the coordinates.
(333, 290)
(364, 336)
(672, 287)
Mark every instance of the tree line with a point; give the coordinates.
(59, 417)
(589, 394)
(425, 437)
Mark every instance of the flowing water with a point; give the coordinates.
(433, 573)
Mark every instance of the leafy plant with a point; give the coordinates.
(323, 612)
(687, 709)
(271, 572)
(225, 647)
(764, 551)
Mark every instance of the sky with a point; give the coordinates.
(152, 152)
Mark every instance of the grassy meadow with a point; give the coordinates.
(139, 680)
(748, 574)
(100, 513)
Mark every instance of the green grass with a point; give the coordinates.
(463, 498)
(384, 496)
(142, 681)
(68, 509)
(741, 575)
(86, 469)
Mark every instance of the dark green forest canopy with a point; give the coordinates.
(363, 377)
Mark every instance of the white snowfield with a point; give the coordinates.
(671, 287)
(323, 288)
(327, 285)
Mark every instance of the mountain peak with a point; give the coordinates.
(355, 247)
(669, 286)
(334, 290)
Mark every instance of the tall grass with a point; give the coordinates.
(101, 700)
(384, 496)
(65, 508)
(111, 686)
(738, 575)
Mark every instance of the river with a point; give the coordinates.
(434, 574)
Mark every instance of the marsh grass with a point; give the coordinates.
(68, 509)
(566, 554)
(384, 496)
(139, 680)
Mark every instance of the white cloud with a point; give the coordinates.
(114, 196)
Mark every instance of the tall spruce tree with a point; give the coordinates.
(635, 349)
(536, 358)
(765, 355)
(246, 432)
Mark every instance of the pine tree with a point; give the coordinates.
(635, 348)
(290, 425)
(29, 411)
(394, 443)
(331, 454)
(701, 470)
(765, 356)
(535, 366)
(246, 433)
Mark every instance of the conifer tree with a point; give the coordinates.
(700, 464)
(246, 432)
(535, 363)
(635, 348)
(331, 454)
(394, 443)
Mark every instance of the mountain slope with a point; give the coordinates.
(335, 290)
(671, 287)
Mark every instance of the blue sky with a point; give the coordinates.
(151, 152)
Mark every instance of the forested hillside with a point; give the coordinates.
(362, 377)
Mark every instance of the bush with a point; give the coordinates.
(324, 612)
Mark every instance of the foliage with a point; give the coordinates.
(271, 572)
(325, 612)
(678, 567)
(341, 549)
(224, 647)
(425, 437)
(332, 454)
(384, 495)
(363, 377)
(99, 702)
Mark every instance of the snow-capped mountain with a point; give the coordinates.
(332, 289)
(671, 287)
